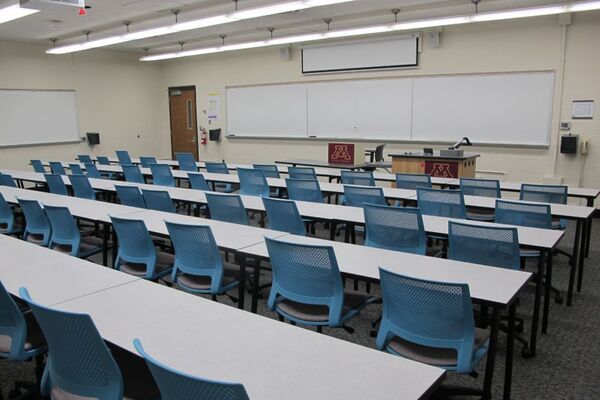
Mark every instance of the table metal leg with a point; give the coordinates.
(510, 344)
(106, 233)
(574, 261)
(584, 240)
(255, 284)
(547, 288)
(242, 287)
(332, 226)
(491, 356)
(115, 241)
(590, 203)
(536, 305)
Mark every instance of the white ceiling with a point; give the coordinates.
(105, 18)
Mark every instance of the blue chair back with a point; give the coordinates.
(79, 362)
(159, 200)
(56, 184)
(428, 313)
(486, 245)
(177, 385)
(302, 173)
(227, 208)
(38, 166)
(162, 175)
(7, 217)
(356, 196)
(130, 196)
(253, 182)
(92, 171)
(198, 182)
(362, 178)
(133, 174)
(217, 167)
(395, 228)
(135, 244)
(442, 202)
(56, 167)
(413, 181)
(270, 170)
(306, 274)
(147, 161)
(480, 187)
(36, 220)
(283, 215)
(75, 169)
(64, 228)
(123, 157)
(7, 180)
(85, 159)
(304, 190)
(556, 194)
(524, 214)
(186, 162)
(103, 160)
(196, 253)
(82, 187)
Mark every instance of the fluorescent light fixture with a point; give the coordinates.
(400, 26)
(13, 12)
(258, 12)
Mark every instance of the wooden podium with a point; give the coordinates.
(435, 165)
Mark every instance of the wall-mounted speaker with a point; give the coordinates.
(433, 39)
(285, 53)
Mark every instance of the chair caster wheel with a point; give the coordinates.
(373, 333)
(558, 300)
(527, 353)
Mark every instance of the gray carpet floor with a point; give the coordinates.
(567, 365)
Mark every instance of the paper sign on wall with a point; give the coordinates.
(214, 106)
(582, 109)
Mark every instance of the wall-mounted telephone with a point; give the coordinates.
(585, 146)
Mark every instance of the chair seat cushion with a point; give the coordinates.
(231, 273)
(320, 313)
(15, 228)
(480, 214)
(433, 355)
(529, 253)
(35, 238)
(164, 261)
(87, 244)
(35, 337)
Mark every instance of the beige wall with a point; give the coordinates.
(116, 95)
(518, 45)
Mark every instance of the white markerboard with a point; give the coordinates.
(38, 117)
(271, 110)
(496, 109)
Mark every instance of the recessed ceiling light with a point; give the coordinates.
(14, 11)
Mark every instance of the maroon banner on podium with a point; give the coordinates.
(442, 169)
(340, 153)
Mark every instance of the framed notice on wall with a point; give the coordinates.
(582, 109)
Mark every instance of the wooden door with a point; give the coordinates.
(184, 131)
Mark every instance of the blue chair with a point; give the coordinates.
(66, 236)
(186, 162)
(253, 182)
(524, 214)
(7, 180)
(270, 170)
(56, 167)
(395, 228)
(485, 245)
(123, 157)
(220, 168)
(8, 226)
(307, 286)
(177, 385)
(133, 174)
(198, 182)
(413, 181)
(38, 166)
(130, 196)
(363, 178)
(199, 267)
(80, 365)
(37, 227)
(483, 188)
(554, 194)
(159, 200)
(162, 175)
(430, 322)
(304, 190)
(147, 161)
(75, 169)
(103, 160)
(92, 171)
(302, 173)
(56, 184)
(82, 187)
(442, 202)
(283, 215)
(356, 196)
(85, 159)
(227, 208)
(137, 255)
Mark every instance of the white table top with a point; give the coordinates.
(557, 210)
(50, 276)
(490, 284)
(272, 360)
